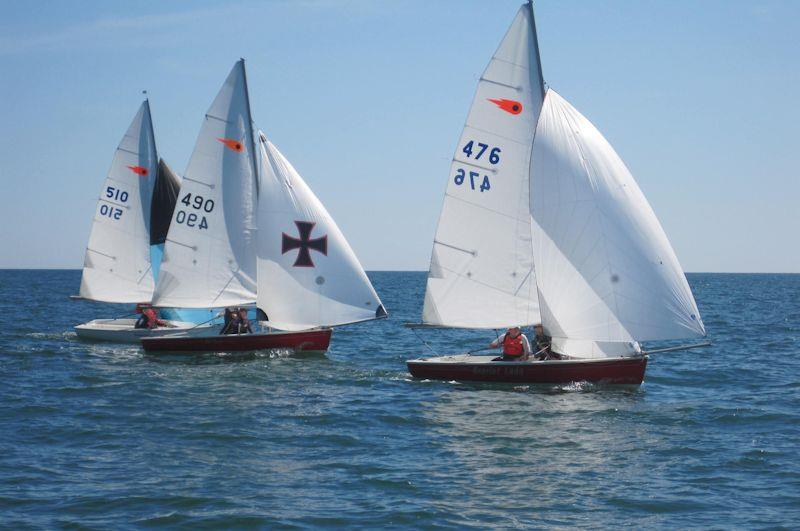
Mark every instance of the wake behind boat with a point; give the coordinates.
(248, 230)
(542, 223)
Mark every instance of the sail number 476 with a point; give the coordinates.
(476, 150)
(195, 219)
(474, 179)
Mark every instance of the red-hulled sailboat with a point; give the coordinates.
(248, 230)
(543, 223)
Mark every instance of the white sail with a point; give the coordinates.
(308, 276)
(605, 269)
(481, 273)
(116, 267)
(210, 253)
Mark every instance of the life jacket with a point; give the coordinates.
(152, 319)
(513, 346)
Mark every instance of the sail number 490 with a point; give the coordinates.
(474, 179)
(195, 219)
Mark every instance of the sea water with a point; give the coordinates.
(99, 435)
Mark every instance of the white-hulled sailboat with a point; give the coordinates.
(543, 223)
(128, 232)
(248, 230)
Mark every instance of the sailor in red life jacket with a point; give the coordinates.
(516, 346)
(149, 318)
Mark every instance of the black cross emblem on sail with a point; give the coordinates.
(305, 243)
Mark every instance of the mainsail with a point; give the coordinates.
(481, 272)
(117, 263)
(308, 276)
(605, 269)
(210, 253)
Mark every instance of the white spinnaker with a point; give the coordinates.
(117, 263)
(308, 276)
(210, 252)
(604, 267)
(481, 273)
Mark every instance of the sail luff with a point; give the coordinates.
(536, 51)
(251, 133)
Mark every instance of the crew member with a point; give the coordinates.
(516, 346)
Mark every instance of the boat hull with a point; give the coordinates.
(307, 341)
(125, 331)
(624, 371)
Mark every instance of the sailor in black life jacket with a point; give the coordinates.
(542, 344)
(516, 346)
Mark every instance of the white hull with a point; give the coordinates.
(124, 331)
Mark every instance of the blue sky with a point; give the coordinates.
(368, 98)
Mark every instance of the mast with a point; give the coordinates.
(536, 48)
(250, 121)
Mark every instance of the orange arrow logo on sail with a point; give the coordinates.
(235, 145)
(139, 170)
(510, 106)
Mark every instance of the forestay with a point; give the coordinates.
(209, 257)
(605, 269)
(308, 275)
(481, 273)
(117, 263)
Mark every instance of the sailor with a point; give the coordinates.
(516, 346)
(542, 343)
(244, 323)
(149, 318)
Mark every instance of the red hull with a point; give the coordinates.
(627, 371)
(306, 341)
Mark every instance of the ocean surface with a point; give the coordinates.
(97, 435)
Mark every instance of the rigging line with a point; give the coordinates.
(476, 205)
(103, 200)
(484, 168)
(498, 135)
(218, 118)
(198, 182)
(192, 247)
(513, 87)
(223, 289)
(473, 253)
(424, 342)
(149, 267)
(128, 151)
(103, 254)
(523, 281)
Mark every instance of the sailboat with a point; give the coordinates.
(247, 230)
(543, 223)
(128, 232)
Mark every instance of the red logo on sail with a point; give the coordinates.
(510, 106)
(231, 144)
(139, 170)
